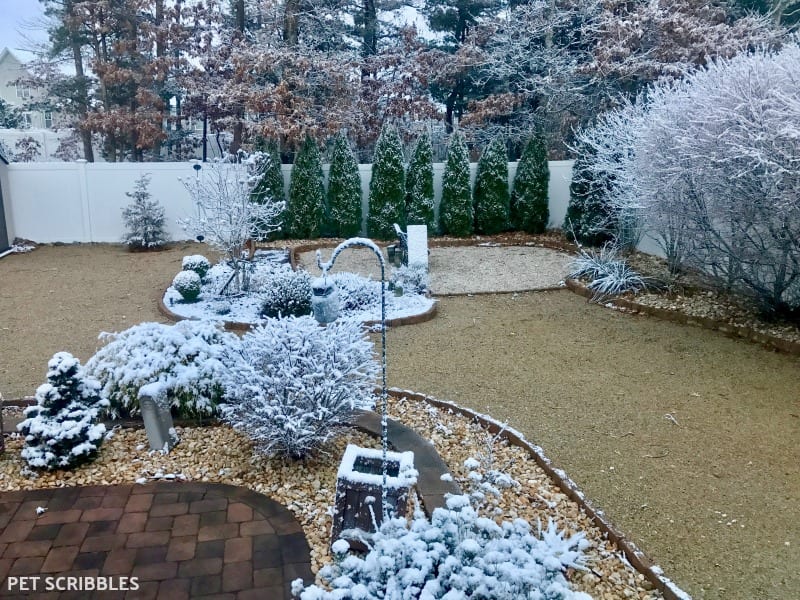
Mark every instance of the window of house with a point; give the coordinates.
(23, 91)
(26, 121)
(48, 119)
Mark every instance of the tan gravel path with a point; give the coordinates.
(712, 492)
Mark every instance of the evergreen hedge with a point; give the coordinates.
(387, 196)
(589, 216)
(491, 189)
(343, 214)
(455, 209)
(419, 185)
(306, 205)
(529, 202)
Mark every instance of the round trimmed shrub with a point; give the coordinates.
(287, 295)
(187, 284)
(197, 263)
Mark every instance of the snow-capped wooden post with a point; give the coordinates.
(361, 503)
(417, 241)
(157, 418)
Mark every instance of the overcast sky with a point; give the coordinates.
(16, 19)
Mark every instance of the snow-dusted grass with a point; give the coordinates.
(359, 296)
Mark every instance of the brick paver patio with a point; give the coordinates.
(178, 539)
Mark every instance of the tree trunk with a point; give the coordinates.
(290, 32)
(370, 38)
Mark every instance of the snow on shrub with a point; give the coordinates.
(387, 194)
(144, 218)
(413, 279)
(608, 274)
(287, 293)
(459, 553)
(186, 358)
(456, 211)
(491, 189)
(297, 381)
(197, 263)
(529, 201)
(356, 293)
(419, 185)
(61, 430)
(306, 206)
(187, 284)
(344, 191)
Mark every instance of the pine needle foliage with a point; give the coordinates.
(419, 185)
(344, 191)
(144, 218)
(387, 194)
(306, 206)
(270, 180)
(491, 189)
(529, 202)
(455, 210)
(589, 214)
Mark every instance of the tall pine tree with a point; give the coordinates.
(387, 195)
(419, 185)
(306, 206)
(589, 216)
(455, 209)
(491, 189)
(344, 191)
(529, 201)
(270, 183)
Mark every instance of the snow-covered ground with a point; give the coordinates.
(246, 308)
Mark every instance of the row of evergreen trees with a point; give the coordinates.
(405, 196)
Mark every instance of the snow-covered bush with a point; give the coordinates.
(144, 218)
(186, 358)
(188, 285)
(356, 293)
(197, 263)
(61, 430)
(491, 189)
(419, 185)
(269, 187)
(293, 382)
(287, 293)
(413, 279)
(589, 218)
(455, 210)
(344, 191)
(462, 552)
(529, 199)
(387, 196)
(306, 206)
(608, 274)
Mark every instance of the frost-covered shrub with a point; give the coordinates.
(306, 206)
(589, 216)
(460, 553)
(344, 191)
(287, 293)
(144, 218)
(491, 189)
(608, 274)
(186, 358)
(412, 279)
(529, 199)
(197, 263)
(456, 211)
(188, 285)
(419, 185)
(356, 293)
(387, 196)
(296, 381)
(61, 430)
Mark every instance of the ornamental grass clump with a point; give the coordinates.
(61, 431)
(608, 274)
(188, 284)
(187, 359)
(294, 382)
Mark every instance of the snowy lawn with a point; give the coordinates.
(359, 296)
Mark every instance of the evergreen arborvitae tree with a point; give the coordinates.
(344, 191)
(61, 431)
(455, 209)
(491, 189)
(270, 182)
(589, 216)
(529, 201)
(387, 194)
(419, 185)
(304, 211)
(144, 218)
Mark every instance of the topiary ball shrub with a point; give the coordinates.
(61, 430)
(287, 294)
(197, 263)
(187, 284)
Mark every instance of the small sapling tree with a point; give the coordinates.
(144, 218)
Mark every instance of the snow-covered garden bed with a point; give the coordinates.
(273, 282)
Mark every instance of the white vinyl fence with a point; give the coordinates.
(83, 202)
